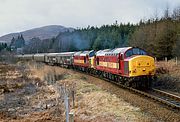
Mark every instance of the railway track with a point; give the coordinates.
(167, 99)
(167, 94)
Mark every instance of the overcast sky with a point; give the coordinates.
(19, 15)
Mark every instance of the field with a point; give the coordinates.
(37, 92)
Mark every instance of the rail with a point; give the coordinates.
(167, 94)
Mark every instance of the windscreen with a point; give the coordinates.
(135, 51)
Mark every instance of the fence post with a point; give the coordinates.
(166, 59)
(155, 59)
(71, 117)
(67, 107)
(65, 93)
(66, 102)
(176, 61)
(73, 98)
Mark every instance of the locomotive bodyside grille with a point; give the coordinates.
(126, 67)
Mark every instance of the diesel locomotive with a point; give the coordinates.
(130, 66)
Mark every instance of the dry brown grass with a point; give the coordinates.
(26, 98)
(99, 100)
(92, 103)
(95, 100)
(169, 67)
(149, 108)
(168, 76)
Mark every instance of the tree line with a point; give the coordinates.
(4, 46)
(106, 36)
(160, 36)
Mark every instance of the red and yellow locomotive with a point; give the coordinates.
(130, 65)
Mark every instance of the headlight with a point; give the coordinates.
(134, 71)
(144, 69)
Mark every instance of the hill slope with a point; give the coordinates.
(42, 32)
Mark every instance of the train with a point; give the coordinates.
(130, 66)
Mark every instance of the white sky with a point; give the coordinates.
(19, 15)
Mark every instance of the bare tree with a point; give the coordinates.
(176, 13)
(167, 12)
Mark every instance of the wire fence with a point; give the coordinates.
(66, 94)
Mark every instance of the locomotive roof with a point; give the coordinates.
(102, 52)
(77, 53)
(120, 50)
(112, 51)
(83, 53)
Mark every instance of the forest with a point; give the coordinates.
(160, 36)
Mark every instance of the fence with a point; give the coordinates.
(66, 94)
(176, 60)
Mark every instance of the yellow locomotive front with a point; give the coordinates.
(141, 65)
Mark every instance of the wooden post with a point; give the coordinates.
(66, 100)
(155, 59)
(73, 98)
(71, 117)
(176, 61)
(67, 108)
(166, 59)
(37, 84)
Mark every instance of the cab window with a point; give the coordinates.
(135, 51)
(92, 54)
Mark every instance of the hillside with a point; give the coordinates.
(41, 32)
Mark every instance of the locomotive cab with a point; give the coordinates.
(84, 59)
(138, 67)
(138, 63)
